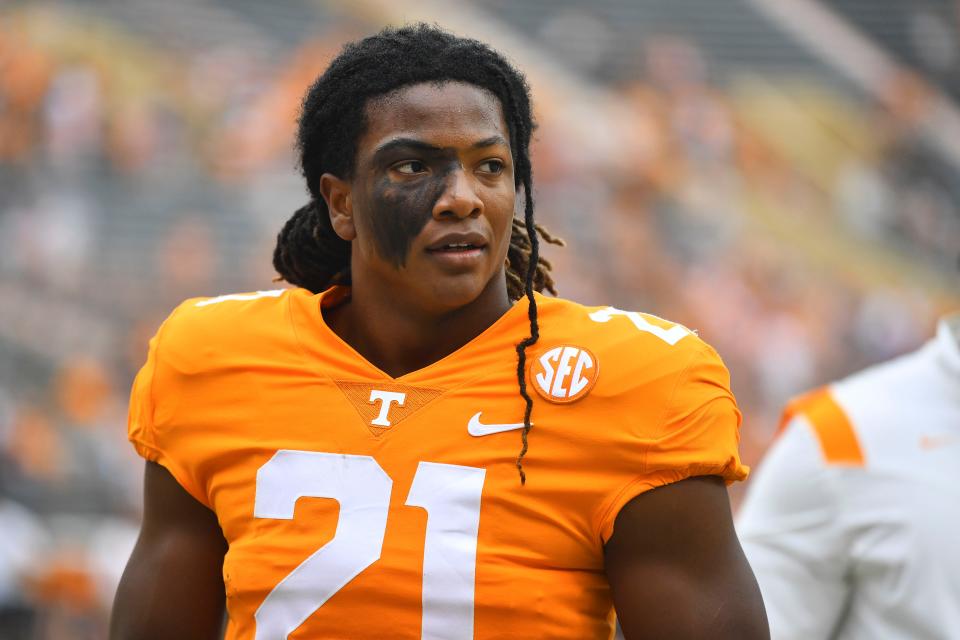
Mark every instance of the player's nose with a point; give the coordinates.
(459, 198)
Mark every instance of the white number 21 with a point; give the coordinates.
(450, 494)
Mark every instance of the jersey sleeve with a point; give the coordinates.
(148, 398)
(793, 534)
(698, 434)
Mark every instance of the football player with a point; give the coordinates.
(349, 458)
(852, 519)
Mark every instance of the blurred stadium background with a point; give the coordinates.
(781, 175)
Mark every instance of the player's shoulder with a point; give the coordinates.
(206, 327)
(226, 314)
(884, 386)
(634, 338)
(631, 349)
(862, 419)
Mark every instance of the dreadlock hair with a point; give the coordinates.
(311, 255)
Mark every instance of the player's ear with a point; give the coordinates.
(336, 193)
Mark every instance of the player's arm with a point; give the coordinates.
(676, 568)
(173, 584)
(794, 535)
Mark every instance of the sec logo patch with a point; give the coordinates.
(564, 373)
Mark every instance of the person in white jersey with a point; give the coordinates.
(852, 522)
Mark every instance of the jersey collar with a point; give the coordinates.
(327, 350)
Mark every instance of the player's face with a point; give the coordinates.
(433, 195)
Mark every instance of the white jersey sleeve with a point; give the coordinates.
(793, 533)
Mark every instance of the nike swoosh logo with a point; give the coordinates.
(937, 441)
(477, 428)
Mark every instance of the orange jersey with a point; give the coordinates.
(357, 505)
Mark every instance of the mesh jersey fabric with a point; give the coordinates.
(257, 409)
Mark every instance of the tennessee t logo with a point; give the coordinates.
(386, 399)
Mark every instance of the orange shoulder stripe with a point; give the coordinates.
(833, 429)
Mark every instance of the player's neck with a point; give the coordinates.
(399, 339)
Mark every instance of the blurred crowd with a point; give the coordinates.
(133, 175)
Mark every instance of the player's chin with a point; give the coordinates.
(455, 281)
(449, 291)
(456, 291)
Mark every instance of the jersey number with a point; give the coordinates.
(450, 494)
(671, 336)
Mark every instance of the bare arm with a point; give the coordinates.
(173, 584)
(677, 570)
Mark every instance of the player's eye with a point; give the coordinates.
(410, 167)
(492, 166)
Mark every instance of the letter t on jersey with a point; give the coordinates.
(386, 399)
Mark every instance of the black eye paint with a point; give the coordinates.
(400, 210)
